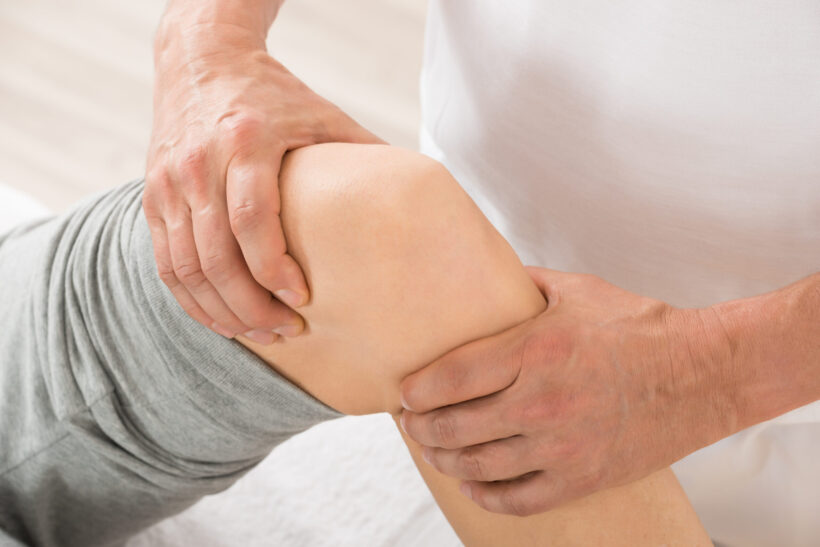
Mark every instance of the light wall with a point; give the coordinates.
(76, 77)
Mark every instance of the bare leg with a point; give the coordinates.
(403, 267)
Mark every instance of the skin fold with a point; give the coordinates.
(402, 267)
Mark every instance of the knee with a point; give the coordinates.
(372, 189)
(401, 266)
(374, 205)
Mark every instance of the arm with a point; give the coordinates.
(772, 357)
(402, 266)
(225, 112)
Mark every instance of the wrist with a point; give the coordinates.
(254, 16)
(702, 381)
(192, 30)
(775, 350)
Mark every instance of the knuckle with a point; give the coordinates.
(193, 182)
(240, 130)
(156, 174)
(154, 219)
(245, 216)
(512, 503)
(166, 274)
(217, 268)
(158, 186)
(194, 157)
(470, 462)
(189, 273)
(193, 161)
(443, 429)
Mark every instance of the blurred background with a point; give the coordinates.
(76, 81)
(75, 118)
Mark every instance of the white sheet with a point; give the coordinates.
(349, 482)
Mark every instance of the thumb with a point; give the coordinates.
(549, 282)
(476, 369)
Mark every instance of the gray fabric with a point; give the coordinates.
(117, 409)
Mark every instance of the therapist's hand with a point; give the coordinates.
(602, 388)
(225, 113)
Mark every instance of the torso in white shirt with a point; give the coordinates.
(672, 148)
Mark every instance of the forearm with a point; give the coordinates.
(774, 342)
(193, 30)
(254, 15)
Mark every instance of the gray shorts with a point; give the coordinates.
(116, 409)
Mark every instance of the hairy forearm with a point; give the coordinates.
(774, 342)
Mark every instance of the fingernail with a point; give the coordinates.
(224, 331)
(289, 297)
(466, 489)
(263, 337)
(427, 454)
(404, 402)
(401, 421)
(289, 330)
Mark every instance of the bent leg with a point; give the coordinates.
(403, 267)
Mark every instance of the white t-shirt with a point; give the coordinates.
(672, 148)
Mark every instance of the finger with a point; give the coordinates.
(524, 496)
(462, 425)
(474, 370)
(253, 209)
(224, 266)
(493, 461)
(165, 269)
(187, 268)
